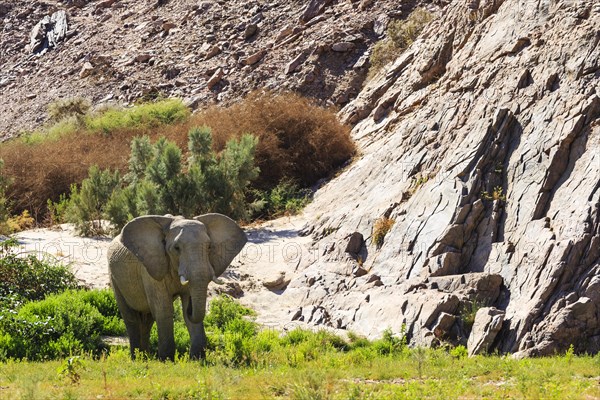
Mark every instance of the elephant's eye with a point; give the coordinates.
(176, 247)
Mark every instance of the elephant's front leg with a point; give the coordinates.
(161, 306)
(197, 334)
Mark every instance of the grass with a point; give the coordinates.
(330, 375)
(380, 229)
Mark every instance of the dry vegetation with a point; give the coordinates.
(297, 140)
(399, 35)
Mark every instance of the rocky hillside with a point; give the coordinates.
(202, 51)
(481, 144)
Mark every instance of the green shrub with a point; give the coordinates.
(296, 336)
(75, 107)
(86, 205)
(459, 352)
(287, 198)
(222, 311)
(159, 181)
(29, 278)
(57, 211)
(142, 116)
(390, 344)
(60, 325)
(400, 35)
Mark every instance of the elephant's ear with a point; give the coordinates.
(145, 237)
(226, 240)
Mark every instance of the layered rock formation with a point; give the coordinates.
(482, 143)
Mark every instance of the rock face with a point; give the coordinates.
(48, 32)
(482, 142)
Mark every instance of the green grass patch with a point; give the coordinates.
(142, 116)
(330, 375)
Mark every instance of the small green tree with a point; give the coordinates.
(160, 181)
(86, 206)
(142, 153)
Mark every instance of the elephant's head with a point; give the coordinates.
(188, 252)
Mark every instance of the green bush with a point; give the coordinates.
(159, 181)
(60, 325)
(223, 311)
(389, 344)
(142, 116)
(86, 205)
(76, 108)
(57, 211)
(29, 278)
(287, 198)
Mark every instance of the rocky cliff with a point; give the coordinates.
(481, 144)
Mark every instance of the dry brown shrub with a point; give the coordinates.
(297, 140)
(44, 170)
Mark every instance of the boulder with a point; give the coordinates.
(277, 282)
(47, 33)
(314, 8)
(355, 243)
(488, 322)
(342, 47)
(215, 78)
(254, 58)
(250, 30)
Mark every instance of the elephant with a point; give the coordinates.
(158, 258)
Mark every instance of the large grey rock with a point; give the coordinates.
(314, 8)
(48, 32)
(488, 322)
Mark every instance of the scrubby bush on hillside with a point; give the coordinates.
(76, 108)
(298, 141)
(399, 35)
(142, 116)
(159, 181)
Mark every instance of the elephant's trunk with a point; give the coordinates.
(197, 307)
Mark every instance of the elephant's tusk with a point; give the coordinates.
(217, 281)
(183, 280)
